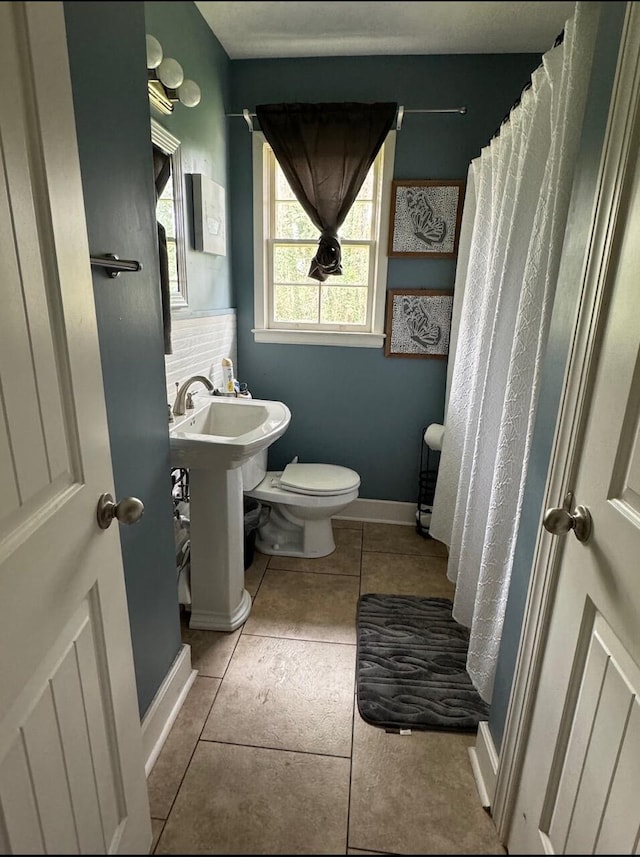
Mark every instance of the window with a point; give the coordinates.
(170, 212)
(291, 307)
(165, 212)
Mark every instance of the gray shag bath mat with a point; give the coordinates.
(411, 665)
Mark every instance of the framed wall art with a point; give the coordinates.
(209, 215)
(418, 323)
(425, 218)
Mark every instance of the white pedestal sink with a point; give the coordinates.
(213, 441)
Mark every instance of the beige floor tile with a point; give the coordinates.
(396, 538)
(415, 794)
(405, 575)
(305, 606)
(288, 695)
(156, 830)
(165, 777)
(341, 523)
(248, 800)
(210, 650)
(254, 574)
(344, 560)
(285, 690)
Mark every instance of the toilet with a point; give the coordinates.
(302, 499)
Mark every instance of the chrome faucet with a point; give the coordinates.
(179, 406)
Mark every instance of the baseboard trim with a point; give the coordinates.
(165, 706)
(380, 512)
(484, 762)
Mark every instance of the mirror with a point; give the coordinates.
(170, 212)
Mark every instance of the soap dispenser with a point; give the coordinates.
(228, 388)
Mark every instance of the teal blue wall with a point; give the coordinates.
(560, 335)
(108, 71)
(202, 131)
(353, 406)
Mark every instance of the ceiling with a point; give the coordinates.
(249, 30)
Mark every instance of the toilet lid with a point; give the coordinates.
(319, 479)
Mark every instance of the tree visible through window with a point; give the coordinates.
(290, 306)
(165, 212)
(342, 301)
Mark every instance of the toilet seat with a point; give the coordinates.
(318, 480)
(300, 512)
(270, 491)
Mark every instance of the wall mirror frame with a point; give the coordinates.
(170, 145)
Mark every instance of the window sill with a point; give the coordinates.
(320, 337)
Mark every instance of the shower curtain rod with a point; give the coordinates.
(249, 117)
(558, 41)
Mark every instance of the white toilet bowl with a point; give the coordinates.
(302, 499)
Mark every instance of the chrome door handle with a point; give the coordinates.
(127, 511)
(561, 521)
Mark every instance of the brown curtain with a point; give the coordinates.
(325, 151)
(161, 175)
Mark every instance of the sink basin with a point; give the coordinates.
(223, 433)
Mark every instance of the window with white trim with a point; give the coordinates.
(290, 306)
(170, 212)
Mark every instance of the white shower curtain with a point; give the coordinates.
(511, 238)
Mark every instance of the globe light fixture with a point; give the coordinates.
(154, 52)
(189, 93)
(166, 81)
(170, 73)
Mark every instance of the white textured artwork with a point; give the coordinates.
(420, 324)
(425, 218)
(209, 216)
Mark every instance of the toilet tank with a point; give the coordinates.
(254, 470)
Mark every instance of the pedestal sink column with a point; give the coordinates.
(219, 601)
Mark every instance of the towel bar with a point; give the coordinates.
(114, 266)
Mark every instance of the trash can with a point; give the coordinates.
(252, 515)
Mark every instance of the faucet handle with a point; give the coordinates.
(189, 403)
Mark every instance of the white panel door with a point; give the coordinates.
(71, 764)
(580, 786)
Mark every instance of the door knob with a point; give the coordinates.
(127, 511)
(560, 521)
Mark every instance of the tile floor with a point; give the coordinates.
(269, 754)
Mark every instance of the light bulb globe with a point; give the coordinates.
(154, 52)
(170, 73)
(189, 93)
